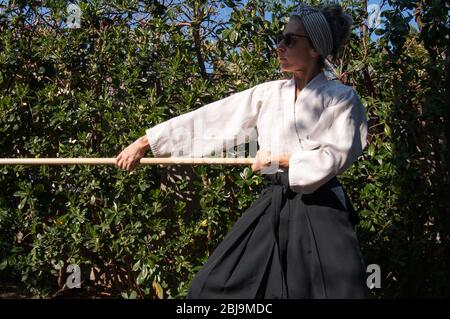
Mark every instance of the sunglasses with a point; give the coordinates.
(287, 38)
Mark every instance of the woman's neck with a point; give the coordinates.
(302, 78)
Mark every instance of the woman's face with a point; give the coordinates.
(299, 56)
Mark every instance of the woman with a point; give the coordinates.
(298, 239)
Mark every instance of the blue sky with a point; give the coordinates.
(224, 12)
(381, 3)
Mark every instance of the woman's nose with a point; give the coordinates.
(281, 47)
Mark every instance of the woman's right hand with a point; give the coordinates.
(262, 159)
(130, 157)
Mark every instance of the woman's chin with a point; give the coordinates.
(284, 67)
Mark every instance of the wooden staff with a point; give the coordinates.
(143, 161)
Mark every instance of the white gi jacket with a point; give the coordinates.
(324, 130)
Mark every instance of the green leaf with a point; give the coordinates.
(233, 36)
(142, 276)
(132, 295)
(371, 150)
(387, 130)
(3, 264)
(22, 203)
(137, 265)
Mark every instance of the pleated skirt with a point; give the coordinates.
(287, 245)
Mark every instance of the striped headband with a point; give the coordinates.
(316, 27)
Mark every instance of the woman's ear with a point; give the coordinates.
(313, 53)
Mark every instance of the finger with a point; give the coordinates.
(126, 162)
(120, 163)
(123, 159)
(130, 166)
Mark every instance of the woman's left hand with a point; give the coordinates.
(266, 159)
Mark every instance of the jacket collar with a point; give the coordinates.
(313, 84)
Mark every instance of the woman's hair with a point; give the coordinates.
(340, 25)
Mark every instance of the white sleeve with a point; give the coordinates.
(335, 143)
(210, 128)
